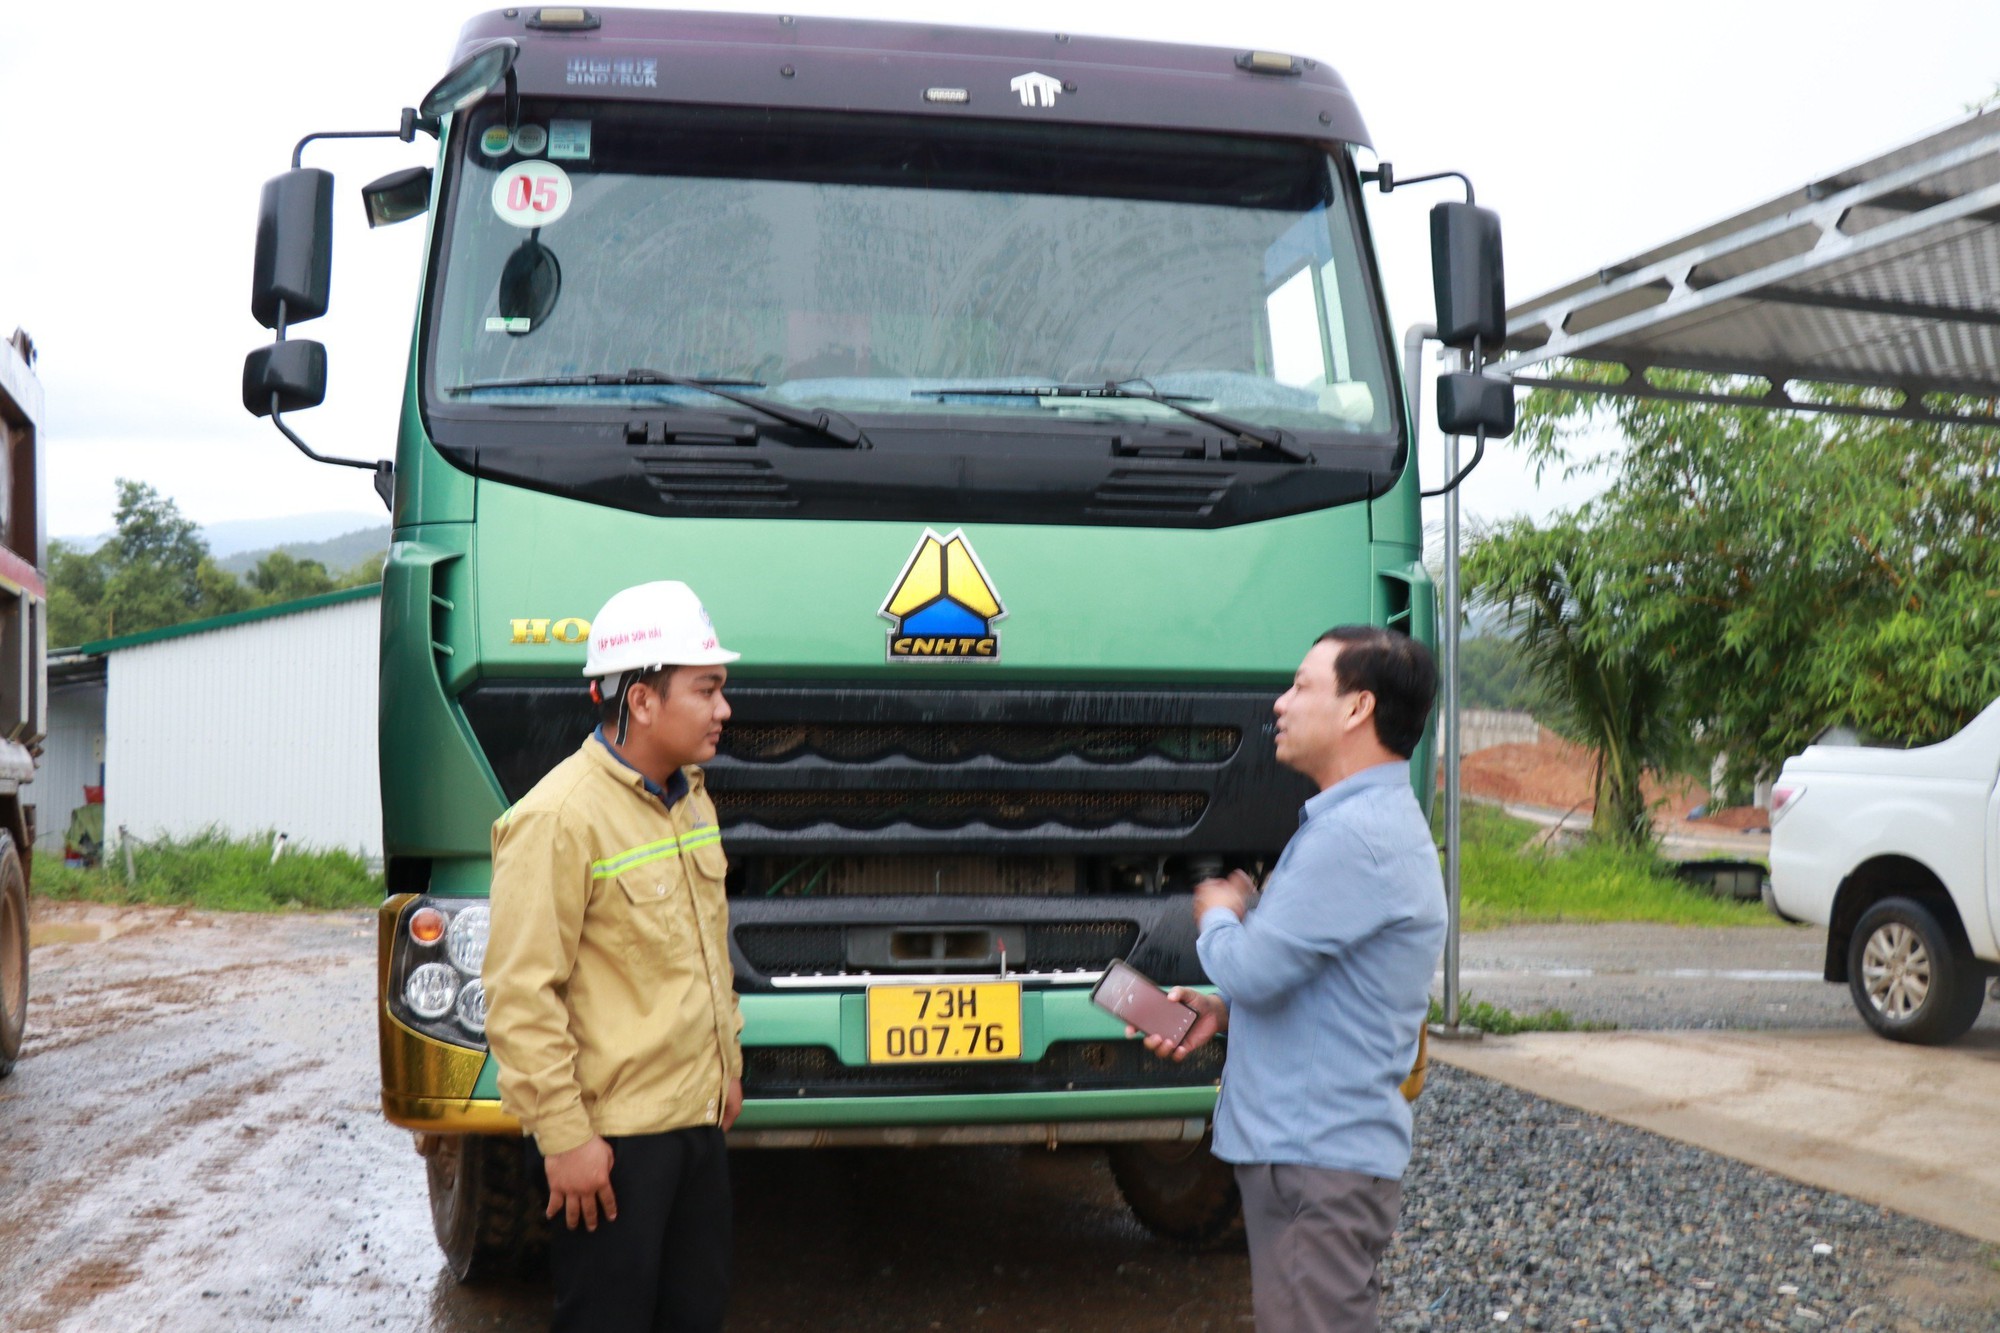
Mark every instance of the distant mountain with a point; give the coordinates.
(264, 534)
(258, 535)
(339, 554)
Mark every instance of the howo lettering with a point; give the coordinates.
(1021, 407)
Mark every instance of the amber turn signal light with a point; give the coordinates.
(427, 925)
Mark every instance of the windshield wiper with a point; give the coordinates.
(819, 420)
(1269, 437)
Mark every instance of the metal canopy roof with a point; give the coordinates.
(1886, 275)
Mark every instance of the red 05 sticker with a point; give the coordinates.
(531, 194)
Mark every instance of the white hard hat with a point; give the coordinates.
(652, 625)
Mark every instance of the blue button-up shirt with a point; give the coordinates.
(1328, 983)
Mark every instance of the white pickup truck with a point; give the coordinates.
(1897, 854)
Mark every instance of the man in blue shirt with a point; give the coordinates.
(1324, 983)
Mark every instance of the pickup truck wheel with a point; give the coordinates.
(13, 955)
(1909, 978)
(1180, 1192)
(484, 1207)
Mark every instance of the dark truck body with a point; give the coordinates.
(23, 669)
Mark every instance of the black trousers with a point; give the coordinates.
(663, 1266)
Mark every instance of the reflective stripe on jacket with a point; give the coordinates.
(611, 1005)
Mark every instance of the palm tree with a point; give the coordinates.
(1607, 689)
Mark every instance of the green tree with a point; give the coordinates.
(1602, 685)
(76, 594)
(1780, 571)
(280, 577)
(1494, 672)
(155, 571)
(367, 573)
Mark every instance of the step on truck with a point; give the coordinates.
(1022, 407)
(23, 670)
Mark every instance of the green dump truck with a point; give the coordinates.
(1021, 406)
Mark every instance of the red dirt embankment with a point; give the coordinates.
(1556, 774)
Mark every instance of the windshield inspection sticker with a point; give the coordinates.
(531, 194)
(508, 324)
(530, 140)
(496, 141)
(569, 139)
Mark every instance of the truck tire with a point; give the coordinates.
(13, 955)
(1911, 980)
(485, 1209)
(1180, 1192)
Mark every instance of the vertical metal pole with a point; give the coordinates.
(1414, 339)
(1448, 641)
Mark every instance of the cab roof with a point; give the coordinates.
(754, 60)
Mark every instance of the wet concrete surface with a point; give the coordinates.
(1655, 977)
(192, 1141)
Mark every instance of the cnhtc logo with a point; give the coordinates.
(1036, 89)
(943, 605)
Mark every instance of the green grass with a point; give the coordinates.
(1505, 1022)
(1503, 881)
(218, 874)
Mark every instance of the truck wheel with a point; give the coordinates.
(13, 955)
(1180, 1192)
(484, 1208)
(1909, 978)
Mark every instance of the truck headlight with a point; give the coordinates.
(431, 990)
(465, 939)
(471, 1008)
(437, 946)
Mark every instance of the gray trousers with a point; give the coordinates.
(1316, 1236)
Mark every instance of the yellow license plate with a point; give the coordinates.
(944, 1022)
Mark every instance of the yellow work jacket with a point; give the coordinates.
(611, 1004)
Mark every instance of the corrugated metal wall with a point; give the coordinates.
(71, 759)
(251, 727)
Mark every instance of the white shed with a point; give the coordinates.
(256, 722)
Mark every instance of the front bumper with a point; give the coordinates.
(1077, 1079)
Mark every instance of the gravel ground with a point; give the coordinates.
(1524, 1213)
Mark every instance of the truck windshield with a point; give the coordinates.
(893, 268)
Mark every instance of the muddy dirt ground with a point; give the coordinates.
(192, 1141)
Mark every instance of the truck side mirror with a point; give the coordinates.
(294, 262)
(1471, 404)
(293, 370)
(1467, 276)
(398, 196)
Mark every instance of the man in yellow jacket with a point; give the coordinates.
(611, 1003)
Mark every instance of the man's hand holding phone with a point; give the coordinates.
(1212, 1016)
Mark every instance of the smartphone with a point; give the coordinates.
(1127, 993)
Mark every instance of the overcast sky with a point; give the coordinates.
(140, 134)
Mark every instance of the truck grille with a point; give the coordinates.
(951, 743)
(893, 876)
(814, 1071)
(949, 809)
(793, 950)
(922, 771)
